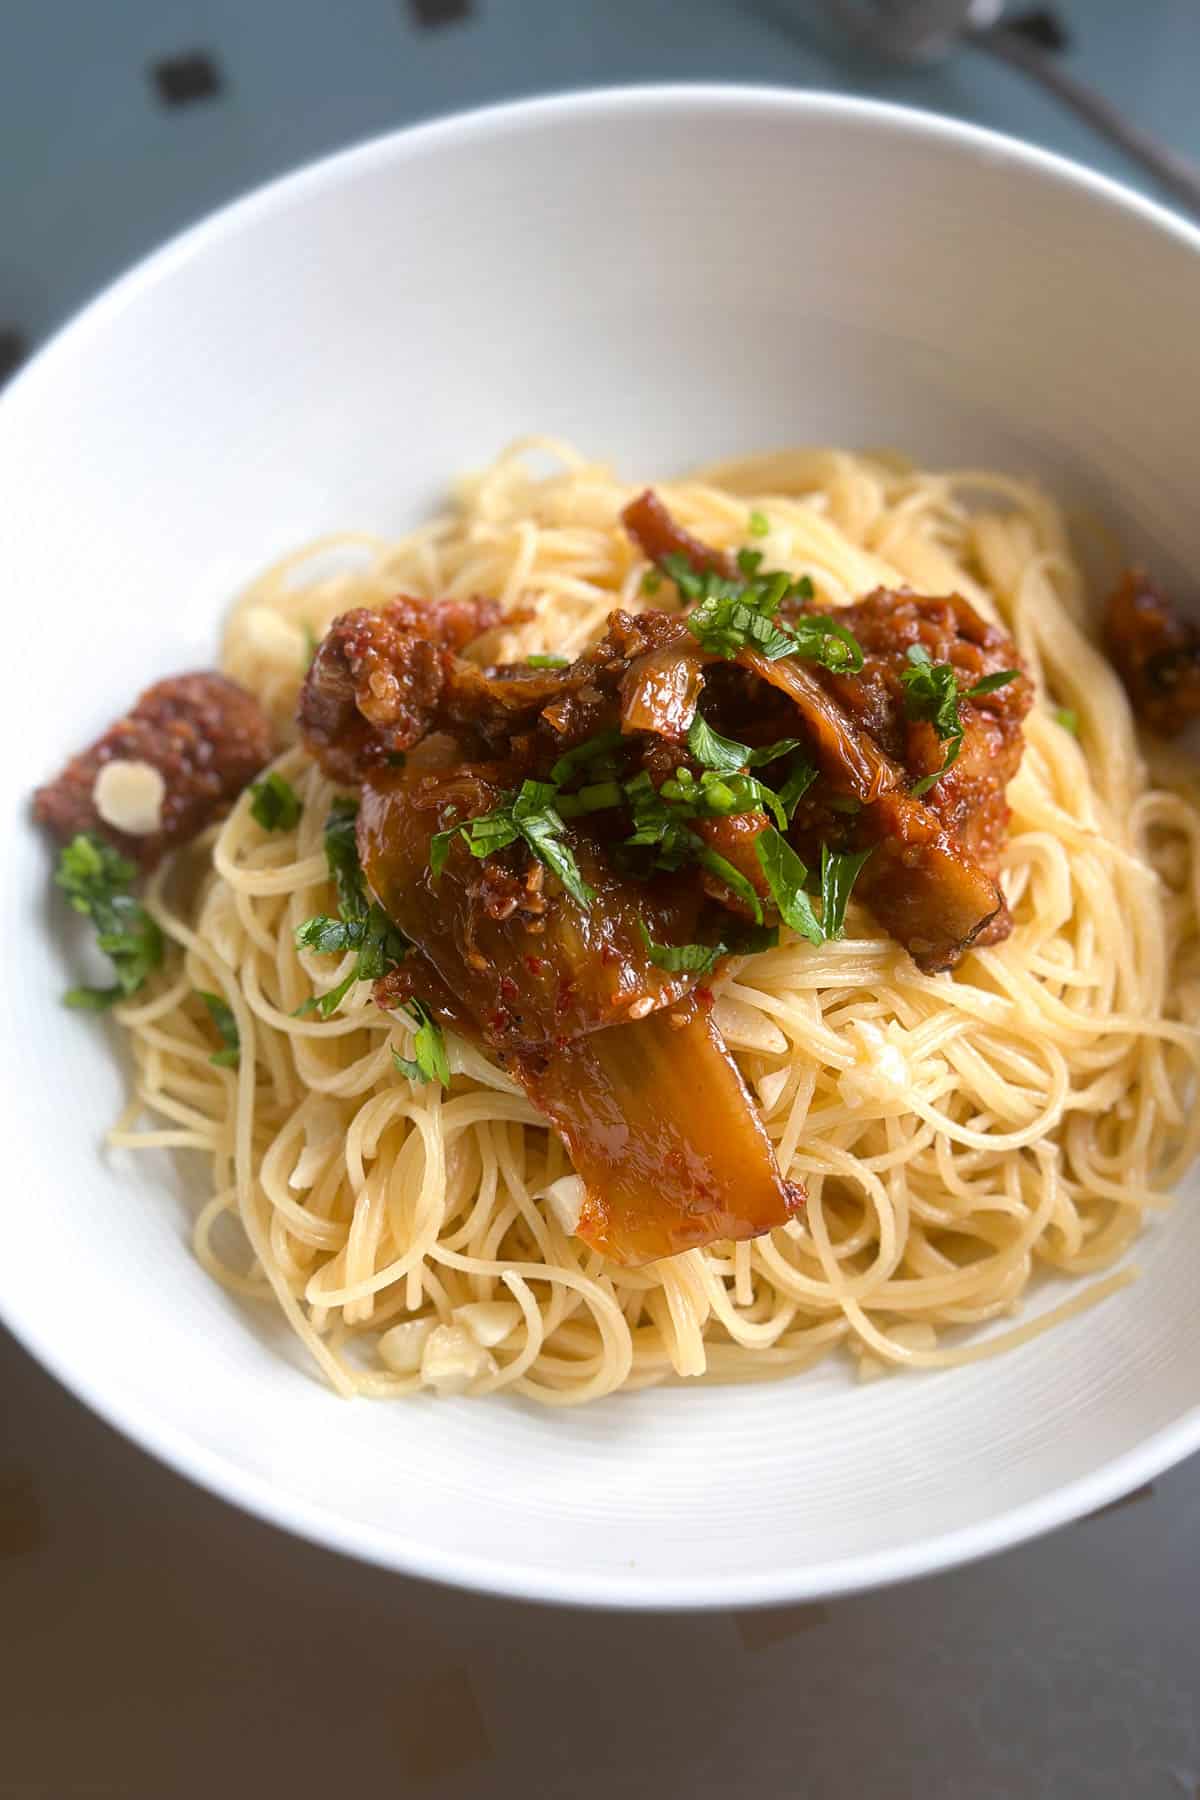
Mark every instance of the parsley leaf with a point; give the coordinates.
(932, 694)
(276, 804)
(714, 751)
(325, 1005)
(329, 937)
(734, 614)
(656, 825)
(1068, 719)
(786, 876)
(430, 1062)
(310, 644)
(541, 661)
(990, 683)
(361, 925)
(800, 777)
(839, 872)
(341, 854)
(682, 959)
(733, 878)
(759, 524)
(95, 879)
(770, 753)
(531, 815)
(226, 1024)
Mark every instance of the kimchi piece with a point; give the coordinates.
(571, 854)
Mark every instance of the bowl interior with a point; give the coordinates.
(664, 277)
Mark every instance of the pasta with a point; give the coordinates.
(959, 1135)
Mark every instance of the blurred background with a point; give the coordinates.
(158, 1646)
(123, 120)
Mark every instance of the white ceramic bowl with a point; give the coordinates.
(665, 276)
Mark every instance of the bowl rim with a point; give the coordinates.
(318, 1524)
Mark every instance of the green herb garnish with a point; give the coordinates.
(800, 777)
(341, 855)
(1068, 718)
(310, 644)
(361, 924)
(592, 750)
(276, 804)
(96, 880)
(786, 876)
(759, 524)
(733, 878)
(541, 660)
(713, 751)
(717, 796)
(731, 614)
(429, 1062)
(529, 814)
(932, 694)
(226, 1024)
(683, 959)
(839, 872)
(596, 796)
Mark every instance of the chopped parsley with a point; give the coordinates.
(96, 880)
(733, 878)
(310, 644)
(429, 1061)
(651, 581)
(530, 815)
(361, 925)
(341, 856)
(717, 796)
(932, 694)
(726, 755)
(786, 876)
(683, 959)
(1068, 719)
(276, 804)
(759, 524)
(593, 750)
(839, 872)
(734, 613)
(800, 777)
(540, 660)
(713, 751)
(222, 1017)
(656, 825)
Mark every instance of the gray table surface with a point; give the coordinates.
(157, 1645)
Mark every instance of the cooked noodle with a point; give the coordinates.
(957, 1135)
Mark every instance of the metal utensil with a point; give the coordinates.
(924, 31)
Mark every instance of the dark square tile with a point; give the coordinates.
(182, 80)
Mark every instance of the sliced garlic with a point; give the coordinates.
(489, 1321)
(452, 1359)
(402, 1347)
(564, 1198)
(129, 796)
(881, 1072)
(747, 1028)
(771, 1086)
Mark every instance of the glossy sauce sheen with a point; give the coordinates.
(652, 1109)
(661, 1128)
